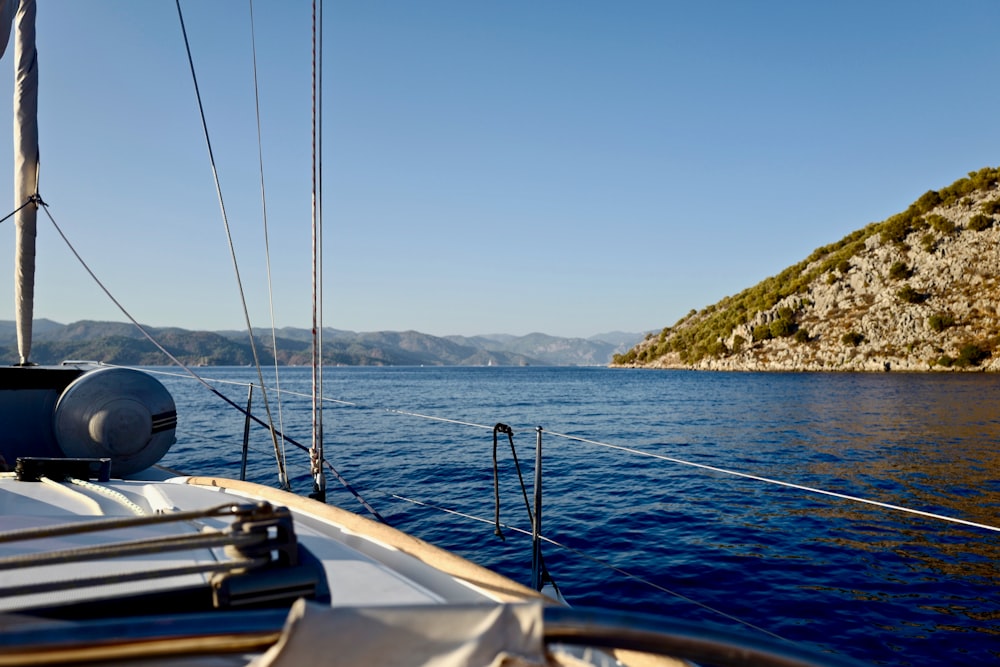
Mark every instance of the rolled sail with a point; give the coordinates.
(25, 170)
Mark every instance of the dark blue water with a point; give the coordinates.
(859, 580)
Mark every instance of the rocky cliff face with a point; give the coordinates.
(920, 292)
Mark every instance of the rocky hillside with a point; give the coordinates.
(917, 292)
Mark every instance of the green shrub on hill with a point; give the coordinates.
(979, 222)
(697, 334)
(900, 271)
(972, 354)
(717, 349)
(762, 332)
(907, 294)
(941, 223)
(984, 179)
(896, 228)
(782, 328)
(940, 321)
(625, 358)
(852, 338)
(899, 226)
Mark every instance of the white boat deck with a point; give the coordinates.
(362, 566)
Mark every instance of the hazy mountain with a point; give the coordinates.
(549, 350)
(121, 343)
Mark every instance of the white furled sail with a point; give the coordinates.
(25, 162)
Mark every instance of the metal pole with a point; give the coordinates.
(536, 525)
(246, 435)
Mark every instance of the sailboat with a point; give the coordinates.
(107, 558)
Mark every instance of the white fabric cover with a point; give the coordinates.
(25, 169)
(432, 635)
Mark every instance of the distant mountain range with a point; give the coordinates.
(122, 343)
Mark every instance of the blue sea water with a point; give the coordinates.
(639, 500)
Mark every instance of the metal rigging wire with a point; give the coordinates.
(267, 245)
(282, 476)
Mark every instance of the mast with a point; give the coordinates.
(25, 171)
(316, 456)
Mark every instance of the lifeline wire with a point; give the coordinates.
(263, 207)
(631, 450)
(790, 485)
(240, 408)
(598, 561)
(640, 453)
(36, 199)
(703, 466)
(122, 308)
(31, 200)
(724, 471)
(282, 476)
(190, 372)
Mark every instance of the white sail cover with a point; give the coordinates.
(25, 159)
(427, 636)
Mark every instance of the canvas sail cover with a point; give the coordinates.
(429, 636)
(22, 15)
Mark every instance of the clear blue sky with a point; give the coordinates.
(571, 167)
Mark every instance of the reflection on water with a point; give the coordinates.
(928, 442)
(874, 584)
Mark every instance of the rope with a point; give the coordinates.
(503, 428)
(108, 492)
(79, 528)
(83, 498)
(134, 548)
(198, 540)
(499, 428)
(282, 476)
(127, 577)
